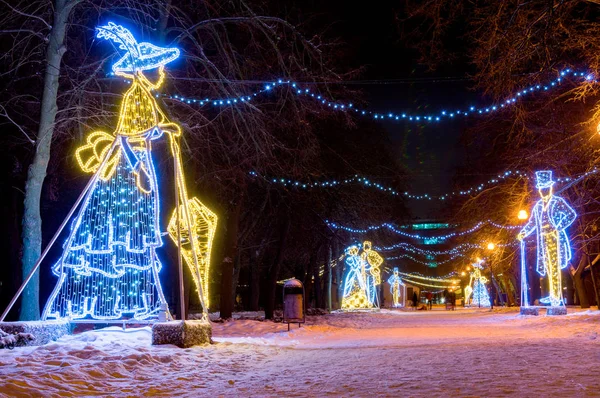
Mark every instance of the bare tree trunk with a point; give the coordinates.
(308, 278)
(512, 283)
(579, 285)
(32, 220)
(274, 273)
(339, 274)
(237, 266)
(317, 285)
(229, 252)
(329, 275)
(254, 282)
(594, 275)
(163, 19)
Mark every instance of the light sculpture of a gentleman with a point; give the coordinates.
(549, 219)
(395, 284)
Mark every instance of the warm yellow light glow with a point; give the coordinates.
(363, 277)
(463, 273)
(491, 246)
(139, 118)
(140, 121)
(523, 215)
(198, 246)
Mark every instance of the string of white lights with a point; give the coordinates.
(407, 246)
(392, 228)
(431, 263)
(418, 283)
(462, 248)
(302, 90)
(430, 278)
(366, 182)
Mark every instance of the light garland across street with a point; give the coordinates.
(428, 263)
(390, 116)
(445, 279)
(394, 229)
(368, 182)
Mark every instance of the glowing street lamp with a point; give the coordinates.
(523, 215)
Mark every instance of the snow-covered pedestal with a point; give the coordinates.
(42, 331)
(530, 311)
(556, 311)
(182, 333)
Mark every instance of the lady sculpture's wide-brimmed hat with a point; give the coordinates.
(138, 56)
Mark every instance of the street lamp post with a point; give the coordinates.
(491, 247)
(524, 287)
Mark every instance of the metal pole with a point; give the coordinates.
(191, 232)
(180, 265)
(58, 232)
(492, 279)
(524, 298)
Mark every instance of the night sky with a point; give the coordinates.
(394, 81)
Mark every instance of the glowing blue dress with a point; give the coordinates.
(109, 268)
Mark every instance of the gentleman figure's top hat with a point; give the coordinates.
(543, 179)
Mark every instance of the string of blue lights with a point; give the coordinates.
(367, 182)
(431, 263)
(462, 248)
(302, 90)
(394, 229)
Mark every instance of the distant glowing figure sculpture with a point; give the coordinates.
(468, 291)
(362, 278)
(109, 267)
(372, 262)
(395, 283)
(549, 219)
(481, 297)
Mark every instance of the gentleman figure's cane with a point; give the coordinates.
(524, 299)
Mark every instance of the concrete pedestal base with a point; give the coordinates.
(530, 311)
(556, 311)
(183, 334)
(42, 331)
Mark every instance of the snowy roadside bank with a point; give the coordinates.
(357, 354)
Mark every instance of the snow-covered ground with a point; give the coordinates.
(391, 353)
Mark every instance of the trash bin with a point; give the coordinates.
(293, 302)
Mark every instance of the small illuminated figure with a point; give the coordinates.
(355, 287)
(549, 219)
(395, 283)
(372, 262)
(109, 267)
(481, 297)
(468, 291)
(362, 278)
